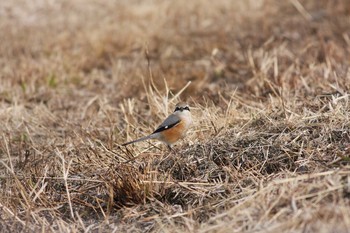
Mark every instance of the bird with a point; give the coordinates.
(173, 128)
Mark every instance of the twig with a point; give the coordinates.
(65, 173)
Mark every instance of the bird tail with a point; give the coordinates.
(139, 140)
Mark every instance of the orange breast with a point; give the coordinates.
(173, 134)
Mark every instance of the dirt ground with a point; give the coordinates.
(267, 82)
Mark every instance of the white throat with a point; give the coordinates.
(185, 116)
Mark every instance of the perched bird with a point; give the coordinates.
(173, 128)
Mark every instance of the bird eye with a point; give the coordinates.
(181, 109)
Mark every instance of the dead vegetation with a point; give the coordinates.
(269, 150)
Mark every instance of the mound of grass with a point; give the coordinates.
(267, 82)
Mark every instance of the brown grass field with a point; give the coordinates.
(268, 82)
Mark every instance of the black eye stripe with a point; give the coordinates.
(182, 108)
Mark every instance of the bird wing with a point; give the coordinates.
(168, 123)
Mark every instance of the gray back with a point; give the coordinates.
(169, 122)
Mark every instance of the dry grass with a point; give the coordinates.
(269, 150)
